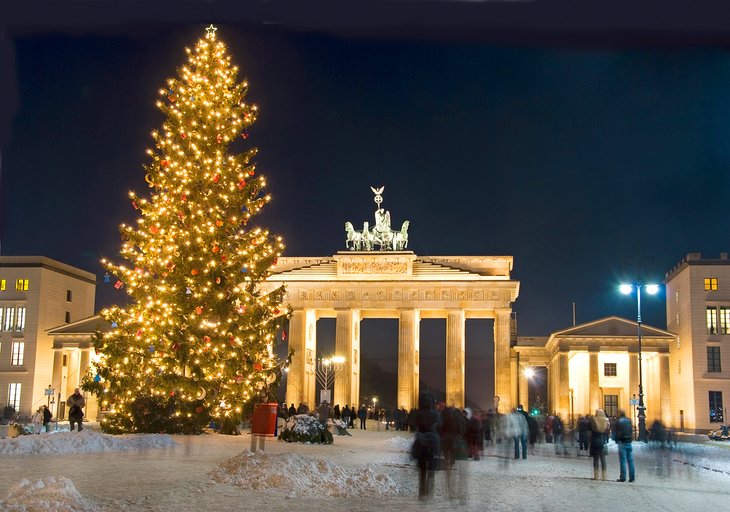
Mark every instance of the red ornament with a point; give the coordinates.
(276, 260)
(216, 248)
(219, 223)
(174, 347)
(216, 177)
(245, 134)
(276, 311)
(118, 285)
(154, 230)
(283, 335)
(257, 366)
(224, 258)
(199, 310)
(217, 280)
(206, 339)
(219, 138)
(251, 172)
(134, 203)
(242, 309)
(241, 184)
(239, 379)
(139, 333)
(199, 409)
(165, 163)
(172, 98)
(183, 198)
(184, 135)
(194, 272)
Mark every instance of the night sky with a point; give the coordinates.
(587, 155)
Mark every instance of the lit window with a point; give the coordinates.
(724, 320)
(676, 297)
(610, 405)
(8, 319)
(713, 359)
(609, 369)
(2, 285)
(14, 395)
(18, 351)
(711, 320)
(21, 285)
(20, 319)
(716, 412)
(710, 284)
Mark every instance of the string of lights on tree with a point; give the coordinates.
(195, 342)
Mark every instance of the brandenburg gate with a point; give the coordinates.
(378, 278)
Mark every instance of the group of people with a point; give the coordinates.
(41, 419)
(398, 419)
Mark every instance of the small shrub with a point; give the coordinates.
(303, 428)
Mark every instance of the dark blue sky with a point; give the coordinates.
(583, 161)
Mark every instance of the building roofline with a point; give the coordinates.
(47, 263)
(695, 258)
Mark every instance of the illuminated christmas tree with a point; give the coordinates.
(194, 344)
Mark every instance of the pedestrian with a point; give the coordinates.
(426, 448)
(584, 423)
(362, 414)
(37, 420)
(292, 410)
(323, 413)
(76, 405)
(622, 436)
(47, 416)
(518, 429)
(559, 435)
(598, 447)
(336, 411)
(475, 435)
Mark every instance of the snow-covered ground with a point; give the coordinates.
(89, 471)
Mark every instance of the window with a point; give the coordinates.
(716, 412)
(677, 318)
(68, 295)
(2, 285)
(18, 350)
(724, 320)
(21, 285)
(8, 319)
(610, 405)
(713, 359)
(14, 395)
(710, 284)
(676, 297)
(68, 317)
(609, 369)
(711, 320)
(20, 319)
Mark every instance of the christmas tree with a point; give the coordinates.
(194, 343)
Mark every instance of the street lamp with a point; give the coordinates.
(651, 289)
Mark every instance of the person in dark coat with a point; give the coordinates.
(76, 403)
(584, 425)
(346, 416)
(336, 411)
(599, 438)
(292, 410)
(475, 435)
(426, 448)
(363, 415)
(47, 416)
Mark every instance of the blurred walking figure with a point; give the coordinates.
(76, 403)
(362, 414)
(584, 425)
(475, 435)
(598, 448)
(559, 435)
(37, 420)
(47, 416)
(518, 429)
(622, 436)
(426, 448)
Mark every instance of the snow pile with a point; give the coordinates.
(51, 494)
(85, 441)
(401, 444)
(304, 428)
(297, 475)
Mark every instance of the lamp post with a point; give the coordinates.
(651, 289)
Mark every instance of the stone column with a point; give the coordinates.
(633, 381)
(564, 387)
(57, 380)
(664, 390)
(502, 370)
(408, 344)
(346, 345)
(455, 348)
(594, 391)
(301, 379)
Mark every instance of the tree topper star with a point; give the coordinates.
(211, 30)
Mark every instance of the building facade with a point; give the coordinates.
(698, 312)
(37, 294)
